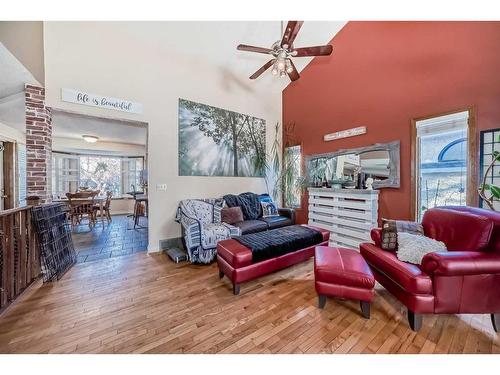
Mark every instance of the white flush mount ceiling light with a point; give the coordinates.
(90, 138)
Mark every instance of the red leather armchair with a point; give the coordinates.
(464, 279)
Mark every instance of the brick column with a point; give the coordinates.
(38, 144)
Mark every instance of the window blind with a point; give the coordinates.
(442, 124)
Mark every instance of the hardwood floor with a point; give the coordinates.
(148, 304)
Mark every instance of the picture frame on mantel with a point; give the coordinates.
(394, 150)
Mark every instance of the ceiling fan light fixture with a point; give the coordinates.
(90, 138)
(283, 50)
(281, 65)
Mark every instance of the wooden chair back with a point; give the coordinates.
(109, 194)
(80, 207)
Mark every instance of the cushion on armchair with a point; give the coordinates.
(412, 248)
(391, 228)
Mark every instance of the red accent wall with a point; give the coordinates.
(384, 74)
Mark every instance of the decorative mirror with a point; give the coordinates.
(350, 168)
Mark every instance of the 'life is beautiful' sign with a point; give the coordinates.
(100, 101)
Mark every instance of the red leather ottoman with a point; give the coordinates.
(343, 273)
(235, 260)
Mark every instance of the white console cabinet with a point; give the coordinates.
(349, 214)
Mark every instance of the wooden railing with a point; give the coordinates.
(19, 257)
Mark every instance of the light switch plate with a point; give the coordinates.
(161, 187)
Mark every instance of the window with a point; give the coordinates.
(131, 174)
(441, 161)
(101, 173)
(65, 174)
(104, 173)
(293, 180)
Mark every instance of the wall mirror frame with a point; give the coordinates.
(393, 149)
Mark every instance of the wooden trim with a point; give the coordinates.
(472, 158)
(472, 197)
(414, 170)
(9, 175)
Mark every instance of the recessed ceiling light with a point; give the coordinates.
(90, 138)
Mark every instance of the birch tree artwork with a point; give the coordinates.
(217, 142)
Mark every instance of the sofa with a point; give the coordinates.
(252, 213)
(202, 226)
(463, 280)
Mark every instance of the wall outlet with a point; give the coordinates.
(161, 187)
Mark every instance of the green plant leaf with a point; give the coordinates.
(495, 190)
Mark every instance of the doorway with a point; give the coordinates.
(443, 161)
(7, 175)
(108, 156)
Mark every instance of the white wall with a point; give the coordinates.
(131, 60)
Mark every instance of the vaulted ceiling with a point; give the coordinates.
(213, 43)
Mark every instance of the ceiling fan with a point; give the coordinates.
(283, 51)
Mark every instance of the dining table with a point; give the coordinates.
(97, 200)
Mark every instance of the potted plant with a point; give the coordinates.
(279, 168)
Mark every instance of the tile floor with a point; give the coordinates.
(112, 240)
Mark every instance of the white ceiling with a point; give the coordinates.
(13, 77)
(13, 74)
(211, 42)
(215, 42)
(73, 126)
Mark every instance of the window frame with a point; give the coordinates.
(77, 156)
(472, 159)
(302, 170)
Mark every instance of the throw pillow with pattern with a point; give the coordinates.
(269, 209)
(390, 229)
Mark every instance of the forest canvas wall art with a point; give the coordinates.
(217, 142)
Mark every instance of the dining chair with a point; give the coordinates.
(106, 206)
(80, 208)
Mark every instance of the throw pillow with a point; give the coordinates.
(231, 215)
(391, 229)
(269, 209)
(413, 247)
(265, 198)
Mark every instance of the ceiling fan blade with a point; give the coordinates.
(266, 66)
(244, 47)
(291, 31)
(313, 51)
(294, 75)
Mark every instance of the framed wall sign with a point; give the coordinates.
(100, 101)
(345, 133)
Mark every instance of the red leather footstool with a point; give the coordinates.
(343, 273)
